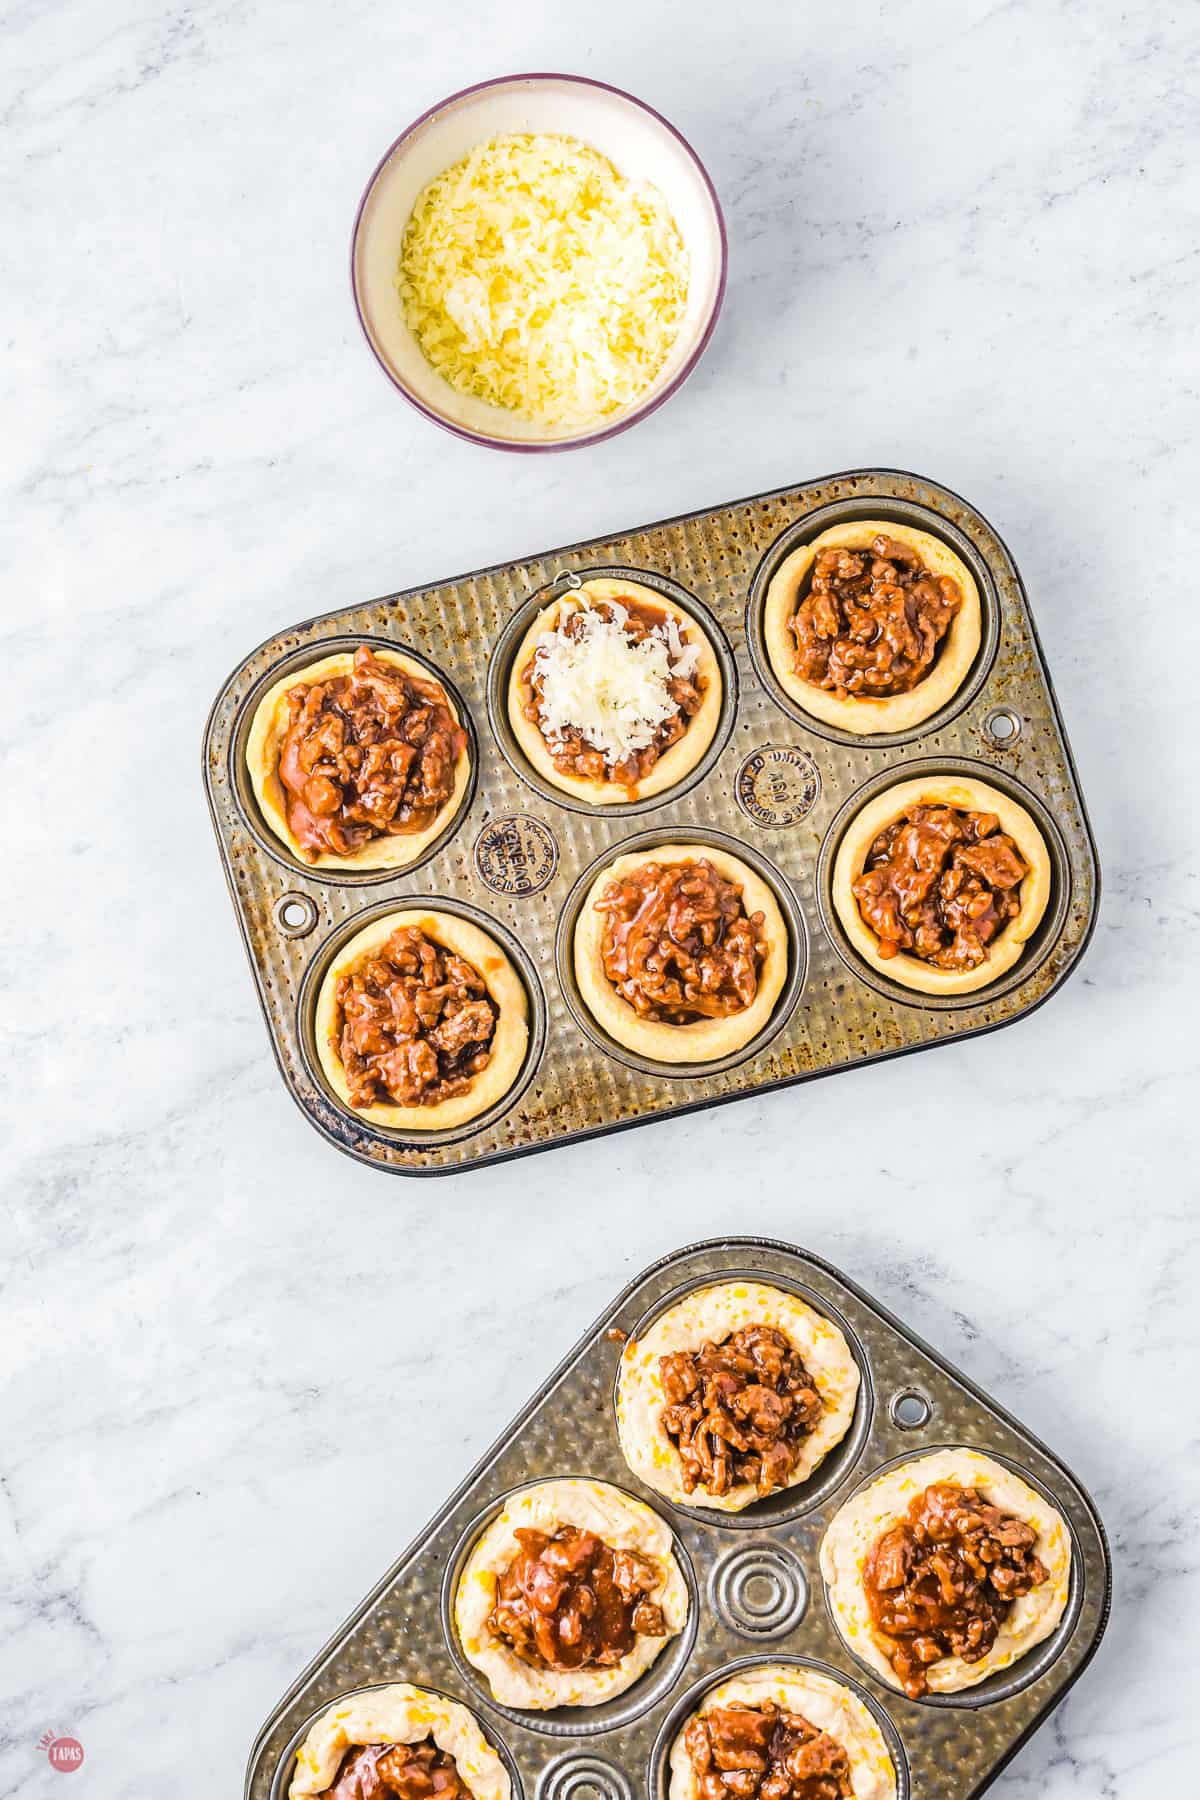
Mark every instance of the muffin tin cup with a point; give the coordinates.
(283, 1774)
(246, 800)
(1006, 1683)
(793, 918)
(1050, 926)
(788, 1503)
(310, 990)
(754, 1580)
(661, 1678)
(770, 788)
(501, 668)
(895, 512)
(689, 1703)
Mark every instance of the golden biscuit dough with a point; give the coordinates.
(624, 1524)
(509, 1041)
(397, 1714)
(268, 729)
(678, 759)
(968, 795)
(858, 1525)
(710, 1315)
(701, 1040)
(865, 714)
(826, 1703)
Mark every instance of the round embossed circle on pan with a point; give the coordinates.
(310, 987)
(510, 640)
(574, 1721)
(759, 1590)
(584, 1777)
(788, 1503)
(899, 512)
(658, 1774)
(285, 1768)
(239, 774)
(564, 951)
(1040, 944)
(1027, 1669)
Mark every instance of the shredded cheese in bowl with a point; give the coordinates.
(536, 277)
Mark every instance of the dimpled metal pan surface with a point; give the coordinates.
(775, 788)
(754, 1577)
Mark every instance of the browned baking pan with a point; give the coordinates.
(776, 787)
(754, 1578)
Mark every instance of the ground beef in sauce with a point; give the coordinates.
(941, 884)
(678, 944)
(570, 750)
(413, 1024)
(398, 1772)
(764, 1753)
(366, 755)
(942, 1580)
(873, 620)
(569, 1601)
(739, 1411)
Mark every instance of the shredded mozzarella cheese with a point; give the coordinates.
(613, 691)
(536, 277)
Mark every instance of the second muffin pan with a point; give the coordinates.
(754, 1578)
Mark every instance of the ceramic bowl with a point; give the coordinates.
(637, 140)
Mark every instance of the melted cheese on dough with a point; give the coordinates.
(624, 1524)
(857, 1525)
(397, 1714)
(829, 1705)
(710, 1315)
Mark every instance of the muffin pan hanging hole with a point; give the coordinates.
(1002, 727)
(295, 915)
(910, 1409)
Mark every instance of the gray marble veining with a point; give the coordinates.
(238, 1371)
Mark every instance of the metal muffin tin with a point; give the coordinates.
(776, 788)
(753, 1578)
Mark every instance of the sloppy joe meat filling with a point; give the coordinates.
(398, 1772)
(765, 1753)
(873, 621)
(414, 1023)
(941, 884)
(942, 1580)
(739, 1411)
(365, 755)
(678, 944)
(569, 1601)
(570, 749)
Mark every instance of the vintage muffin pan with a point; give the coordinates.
(776, 787)
(753, 1577)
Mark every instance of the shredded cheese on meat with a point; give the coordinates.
(600, 683)
(536, 277)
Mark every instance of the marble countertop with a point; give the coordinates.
(237, 1370)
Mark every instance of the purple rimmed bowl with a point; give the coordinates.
(636, 139)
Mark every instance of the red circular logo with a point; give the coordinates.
(65, 1753)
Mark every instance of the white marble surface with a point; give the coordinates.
(963, 241)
